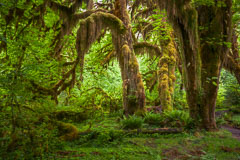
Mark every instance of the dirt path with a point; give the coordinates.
(235, 132)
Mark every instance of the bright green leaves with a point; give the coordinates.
(50, 18)
(161, 26)
(203, 2)
(212, 80)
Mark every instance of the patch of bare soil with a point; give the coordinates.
(227, 149)
(150, 143)
(174, 153)
(235, 131)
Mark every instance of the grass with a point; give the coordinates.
(192, 145)
(182, 146)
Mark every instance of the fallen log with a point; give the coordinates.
(156, 130)
(140, 131)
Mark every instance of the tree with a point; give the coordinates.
(133, 88)
(204, 30)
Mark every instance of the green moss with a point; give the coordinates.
(126, 50)
(173, 77)
(166, 74)
(74, 116)
(140, 85)
(67, 131)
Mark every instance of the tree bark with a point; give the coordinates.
(216, 32)
(184, 21)
(133, 88)
(232, 61)
(202, 60)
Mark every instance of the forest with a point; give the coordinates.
(119, 79)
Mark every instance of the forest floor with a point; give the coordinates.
(195, 145)
(235, 132)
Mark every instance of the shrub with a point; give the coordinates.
(231, 89)
(107, 136)
(178, 118)
(153, 118)
(236, 120)
(132, 122)
(176, 115)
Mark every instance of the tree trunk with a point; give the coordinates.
(133, 88)
(191, 75)
(183, 18)
(166, 75)
(201, 65)
(215, 22)
(232, 61)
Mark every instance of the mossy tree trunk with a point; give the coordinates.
(191, 73)
(133, 88)
(232, 62)
(202, 60)
(184, 21)
(215, 33)
(166, 75)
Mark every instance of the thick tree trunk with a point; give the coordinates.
(211, 66)
(191, 76)
(216, 26)
(184, 20)
(133, 88)
(201, 67)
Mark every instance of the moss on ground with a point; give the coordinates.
(115, 145)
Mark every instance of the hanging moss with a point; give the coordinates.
(126, 50)
(90, 30)
(133, 89)
(147, 48)
(181, 12)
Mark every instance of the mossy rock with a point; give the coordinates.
(70, 115)
(67, 131)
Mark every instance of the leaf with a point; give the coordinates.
(214, 83)
(214, 77)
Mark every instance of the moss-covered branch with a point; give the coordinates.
(232, 65)
(90, 30)
(145, 47)
(232, 61)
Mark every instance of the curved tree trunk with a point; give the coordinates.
(133, 88)
(232, 61)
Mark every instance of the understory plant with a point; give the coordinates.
(153, 118)
(175, 118)
(132, 122)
